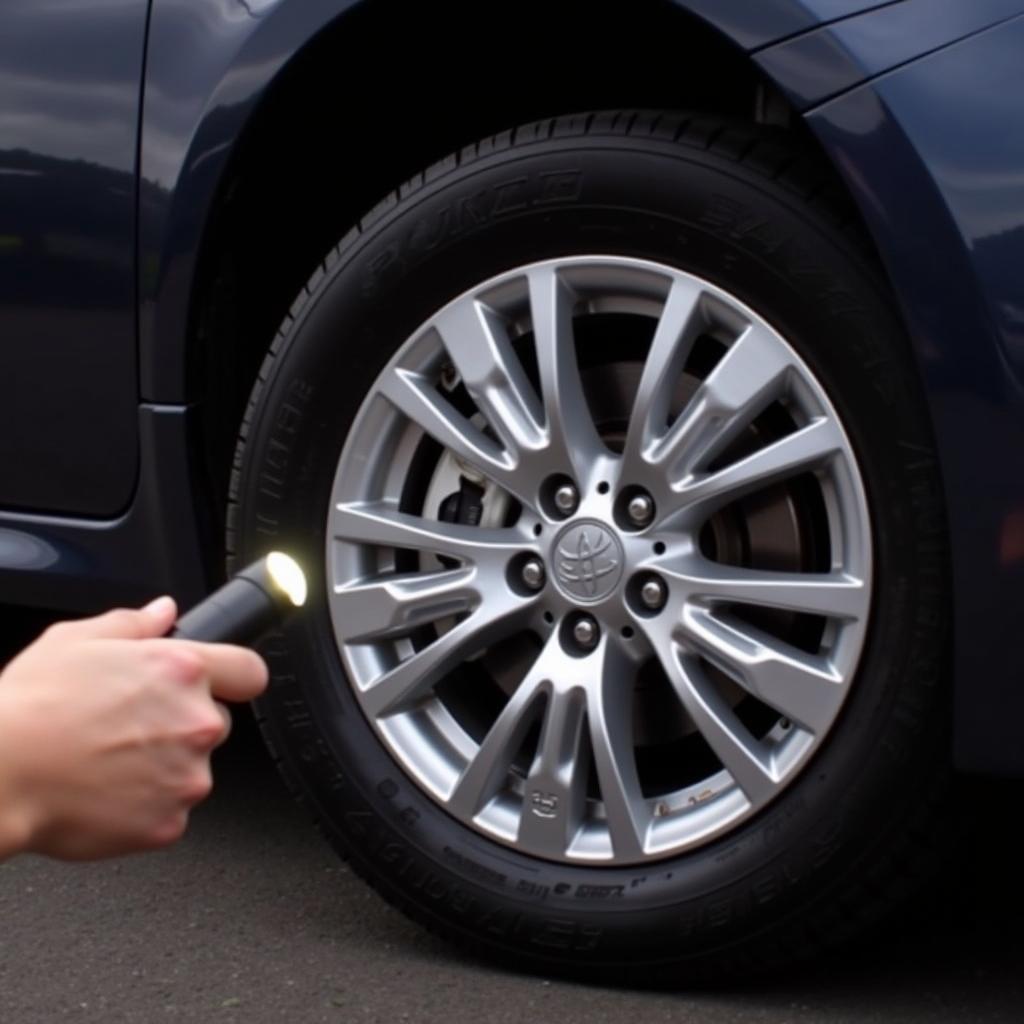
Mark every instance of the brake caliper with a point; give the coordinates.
(466, 505)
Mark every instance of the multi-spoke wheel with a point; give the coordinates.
(512, 658)
(618, 648)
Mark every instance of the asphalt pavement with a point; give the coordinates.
(252, 918)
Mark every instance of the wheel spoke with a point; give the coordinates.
(610, 716)
(748, 378)
(414, 395)
(834, 595)
(381, 524)
(803, 687)
(396, 605)
(405, 685)
(679, 325)
(574, 444)
(733, 744)
(484, 775)
(804, 449)
(556, 788)
(477, 342)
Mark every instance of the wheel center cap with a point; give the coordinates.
(588, 561)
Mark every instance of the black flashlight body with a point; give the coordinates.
(245, 609)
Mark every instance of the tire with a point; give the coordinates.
(622, 866)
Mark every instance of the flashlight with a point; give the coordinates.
(249, 605)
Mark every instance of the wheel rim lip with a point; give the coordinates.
(430, 744)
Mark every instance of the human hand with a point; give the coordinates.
(106, 731)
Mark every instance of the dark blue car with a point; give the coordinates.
(641, 385)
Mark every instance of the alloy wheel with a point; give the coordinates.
(599, 560)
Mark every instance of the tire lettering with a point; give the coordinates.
(599, 892)
(387, 788)
(476, 870)
(564, 933)
(266, 525)
(560, 186)
(511, 196)
(468, 213)
(528, 888)
(296, 714)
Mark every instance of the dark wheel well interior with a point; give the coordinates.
(386, 91)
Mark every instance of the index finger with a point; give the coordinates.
(234, 673)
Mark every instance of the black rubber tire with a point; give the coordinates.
(741, 207)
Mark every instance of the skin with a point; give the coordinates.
(106, 731)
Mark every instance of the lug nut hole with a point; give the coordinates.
(634, 509)
(526, 574)
(647, 593)
(559, 496)
(580, 634)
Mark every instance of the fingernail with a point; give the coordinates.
(160, 608)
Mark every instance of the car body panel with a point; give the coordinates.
(155, 546)
(934, 154)
(753, 25)
(837, 57)
(69, 107)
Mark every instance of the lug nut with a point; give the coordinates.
(653, 593)
(449, 377)
(533, 573)
(566, 499)
(585, 632)
(640, 509)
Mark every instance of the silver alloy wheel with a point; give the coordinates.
(490, 391)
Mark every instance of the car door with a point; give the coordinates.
(70, 74)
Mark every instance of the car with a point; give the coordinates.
(639, 384)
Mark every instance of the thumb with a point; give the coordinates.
(154, 620)
(161, 612)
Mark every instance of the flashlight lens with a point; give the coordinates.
(288, 576)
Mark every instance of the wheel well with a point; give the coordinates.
(327, 142)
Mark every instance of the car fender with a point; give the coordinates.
(929, 155)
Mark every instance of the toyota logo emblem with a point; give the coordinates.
(588, 561)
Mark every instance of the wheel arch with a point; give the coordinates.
(254, 72)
